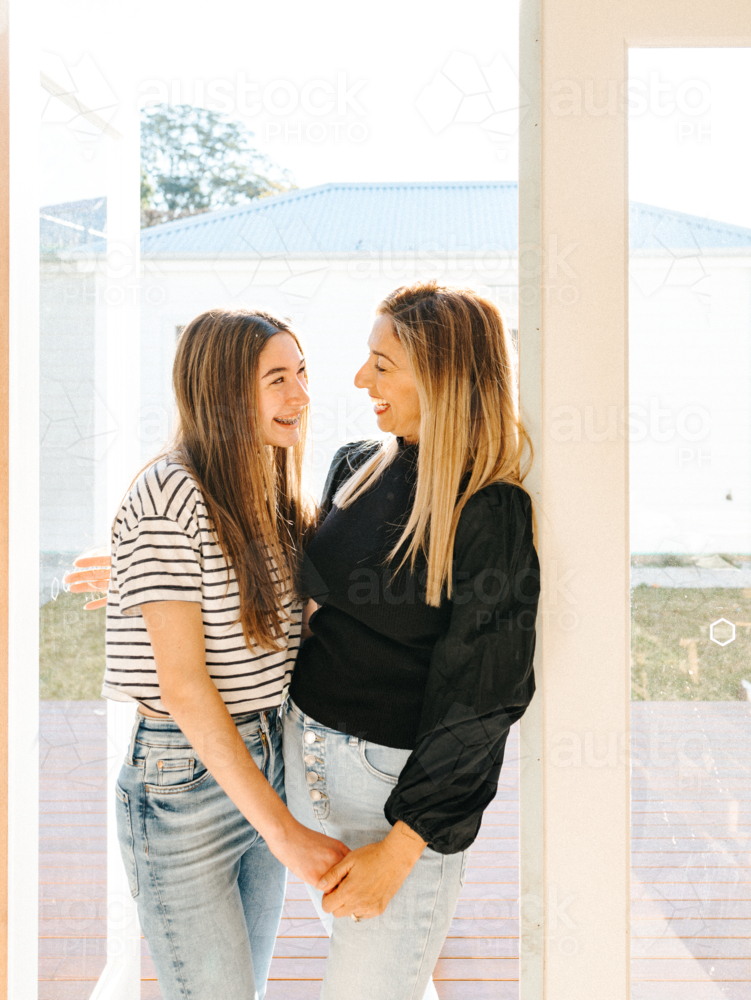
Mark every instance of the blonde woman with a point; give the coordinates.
(424, 583)
(427, 581)
(202, 630)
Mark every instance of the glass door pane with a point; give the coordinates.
(690, 471)
(379, 163)
(73, 719)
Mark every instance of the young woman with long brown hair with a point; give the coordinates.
(425, 581)
(203, 624)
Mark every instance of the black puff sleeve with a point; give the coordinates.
(480, 679)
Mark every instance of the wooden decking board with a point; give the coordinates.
(75, 967)
(712, 949)
(640, 844)
(476, 990)
(67, 991)
(689, 991)
(690, 968)
(683, 859)
(706, 909)
(491, 969)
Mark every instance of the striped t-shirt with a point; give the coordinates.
(164, 549)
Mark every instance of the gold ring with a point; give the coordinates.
(356, 919)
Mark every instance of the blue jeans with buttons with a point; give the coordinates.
(338, 784)
(208, 889)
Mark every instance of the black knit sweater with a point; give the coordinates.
(446, 682)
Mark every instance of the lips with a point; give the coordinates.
(380, 405)
(288, 421)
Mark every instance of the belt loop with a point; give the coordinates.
(133, 734)
(285, 700)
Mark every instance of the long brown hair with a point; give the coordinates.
(471, 433)
(253, 491)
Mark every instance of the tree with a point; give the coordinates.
(195, 160)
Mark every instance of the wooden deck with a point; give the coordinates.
(691, 911)
(479, 960)
(691, 820)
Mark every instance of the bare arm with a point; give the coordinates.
(309, 608)
(176, 632)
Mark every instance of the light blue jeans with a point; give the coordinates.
(209, 891)
(338, 784)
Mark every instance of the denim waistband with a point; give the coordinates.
(166, 731)
(168, 725)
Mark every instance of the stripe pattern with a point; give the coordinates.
(164, 549)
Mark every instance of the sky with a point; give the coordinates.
(401, 91)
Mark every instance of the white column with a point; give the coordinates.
(531, 884)
(121, 979)
(120, 285)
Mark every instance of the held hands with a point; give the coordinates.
(365, 881)
(96, 577)
(307, 853)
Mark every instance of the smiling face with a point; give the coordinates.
(388, 377)
(282, 390)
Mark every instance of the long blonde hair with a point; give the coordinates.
(253, 491)
(471, 433)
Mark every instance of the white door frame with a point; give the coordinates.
(575, 844)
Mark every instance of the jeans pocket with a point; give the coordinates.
(171, 770)
(125, 836)
(383, 762)
(175, 772)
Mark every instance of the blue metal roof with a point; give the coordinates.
(652, 228)
(403, 217)
(71, 224)
(346, 218)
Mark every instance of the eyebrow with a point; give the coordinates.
(275, 371)
(380, 354)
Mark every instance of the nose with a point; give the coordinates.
(363, 378)
(298, 394)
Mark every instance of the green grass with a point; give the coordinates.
(71, 661)
(672, 655)
(71, 649)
